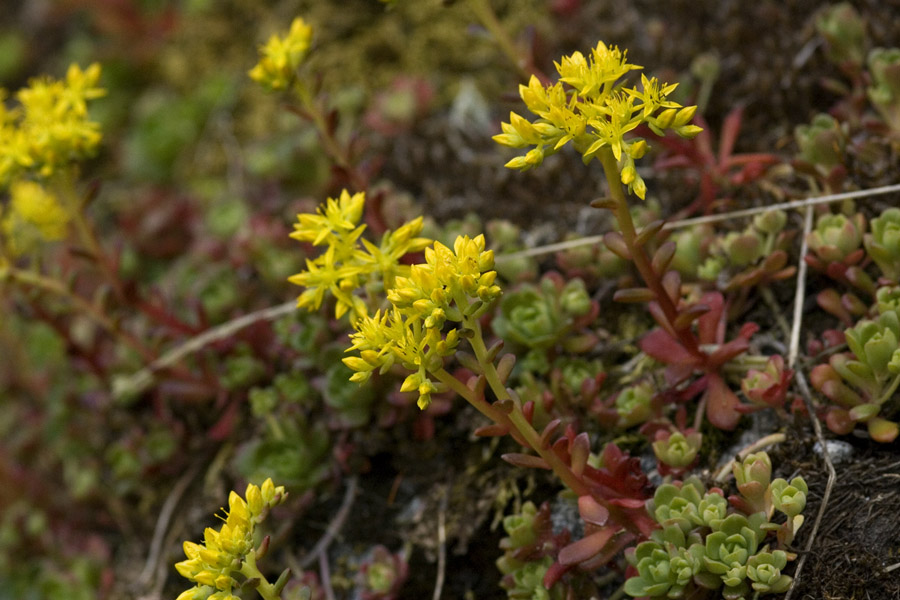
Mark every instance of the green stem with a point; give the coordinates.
(251, 571)
(639, 257)
(889, 392)
(275, 426)
(332, 147)
(65, 187)
(517, 418)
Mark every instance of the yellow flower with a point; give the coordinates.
(350, 262)
(55, 121)
(451, 285)
(212, 563)
(50, 128)
(281, 56)
(33, 215)
(595, 112)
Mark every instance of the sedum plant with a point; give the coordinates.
(594, 109)
(226, 560)
(862, 382)
(711, 547)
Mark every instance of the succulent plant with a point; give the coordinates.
(677, 450)
(789, 498)
(633, 404)
(883, 243)
(821, 142)
(729, 548)
(675, 504)
(764, 572)
(844, 32)
(665, 568)
(884, 65)
(752, 476)
(769, 386)
(538, 316)
(837, 237)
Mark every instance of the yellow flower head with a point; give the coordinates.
(349, 261)
(451, 285)
(33, 215)
(212, 563)
(51, 127)
(596, 112)
(281, 57)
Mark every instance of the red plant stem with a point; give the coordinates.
(56, 288)
(516, 418)
(639, 256)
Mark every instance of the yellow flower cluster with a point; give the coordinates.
(281, 56)
(227, 551)
(33, 215)
(50, 128)
(350, 261)
(589, 108)
(454, 285)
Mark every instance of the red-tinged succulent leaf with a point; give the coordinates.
(592, 511)
(855, 256)
(621, 540)
(607, 203)
(711, 326)
(587, 547)
(492, 431)
(731, 126)
(561, 448)
(548, 432)
(528, 411)
(663, 347)
(616, 244)
(580, 452)
(721, 404)
(628, 502)
(675, 374)
(505, 367)
(836, 271)
(882, 430)
(748, 330)
(822, 373)
(476, 384)
(838, 421)
(689, 315)
(860, 279)
(785, 273)
(634, 295)
(554, 574)
(671, 282)
(663, 256)
(526, 460)
(726, 352)
(853, 304)
(775, 261)
(648, 232)
(814, 262)
(830, 301)
(659, 316)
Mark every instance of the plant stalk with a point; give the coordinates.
(639, 256)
